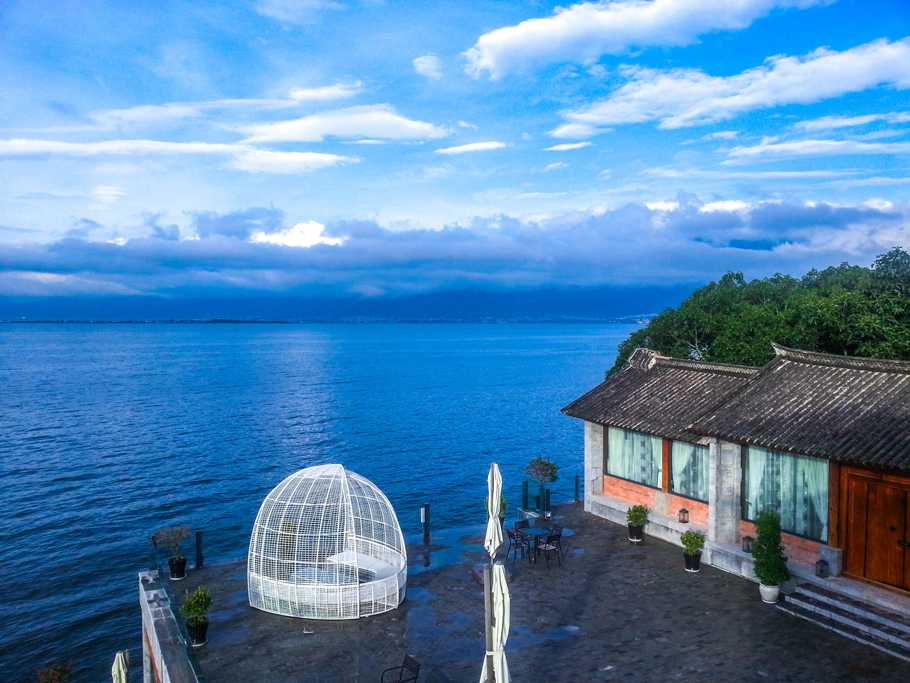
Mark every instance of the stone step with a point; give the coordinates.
(892, 618)
(861, 622)
(845, 630)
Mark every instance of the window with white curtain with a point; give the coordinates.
(689, 470)
(634, 456)
(793, 486)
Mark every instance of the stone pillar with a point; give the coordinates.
(724, 484)
(594, 461)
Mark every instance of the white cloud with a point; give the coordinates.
(689, 97)
(472, 147)
(813, 148)
(556, 166)
(834, 122)
(369, 121)
(157, 114)
(662, 206)
(465, 124)
(661, 172)
(23, 147)
(722, 135)
(429, 66)
(106, 194)
(301, 235)
(264, 161)
(339, 91)
(537, 195)
(728, 206)
(243, 157)
(586, 31)
(879, 204)
(295, 11)
(567, 146)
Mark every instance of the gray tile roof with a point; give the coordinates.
(854, 410)
(659, 395)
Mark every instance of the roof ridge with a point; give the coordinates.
(785, 353)
(707, 366)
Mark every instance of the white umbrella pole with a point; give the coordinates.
(488, 609)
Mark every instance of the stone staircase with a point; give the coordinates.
(881, 628)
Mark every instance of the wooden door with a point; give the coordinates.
(878, 536)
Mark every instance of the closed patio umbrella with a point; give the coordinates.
(495, 590)
(120, 672)
(501, 609)
(494, 529)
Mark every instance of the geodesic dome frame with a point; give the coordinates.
(326, 544)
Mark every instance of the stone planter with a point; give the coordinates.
(769, 594)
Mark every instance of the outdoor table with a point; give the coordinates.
(536, 533)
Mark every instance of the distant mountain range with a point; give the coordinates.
(597, 304)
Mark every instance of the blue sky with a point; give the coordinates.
(381, 148)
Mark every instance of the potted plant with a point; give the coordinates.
(502, 507)
(58, 672)
(692, 542)
(544, 472)
(171, 537)
(637, 518)
(768, 553)
(194, 609)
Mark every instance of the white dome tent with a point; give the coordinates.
(326, 545)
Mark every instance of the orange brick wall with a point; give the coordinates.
(634, 494)
(797, 549)
(698, 511)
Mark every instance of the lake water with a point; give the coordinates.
(108, 432)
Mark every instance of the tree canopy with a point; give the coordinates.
(845, 309)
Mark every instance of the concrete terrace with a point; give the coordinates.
(611, 612)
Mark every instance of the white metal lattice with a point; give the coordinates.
(326, 545)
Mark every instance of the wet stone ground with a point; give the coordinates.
(611, 612)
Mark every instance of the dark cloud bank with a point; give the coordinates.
(607, 264)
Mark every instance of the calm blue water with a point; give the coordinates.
(110, 431)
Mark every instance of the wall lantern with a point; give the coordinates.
(747, 544)
(684, 516)
(821, 569)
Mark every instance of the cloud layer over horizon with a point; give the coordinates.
(255, 251)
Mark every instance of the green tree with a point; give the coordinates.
(843, 309)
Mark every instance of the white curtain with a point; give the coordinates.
(634, 456)
(689, 470)
(793, 486)
(619, 457)
(755, 471)
(816, 475)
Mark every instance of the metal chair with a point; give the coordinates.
(408, 671)
(557, 531)
(516, 543)
(551, 545)
(522, 524)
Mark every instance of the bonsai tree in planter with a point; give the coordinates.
(58, 672)
(768, 553)
(171, 537)
(637, 518)
(195, 609)
(692, 542)
(544, 472)
(502, 507)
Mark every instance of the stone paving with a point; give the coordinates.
(611, 612)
